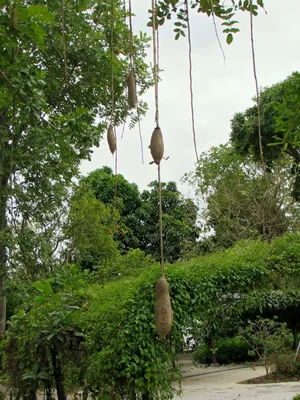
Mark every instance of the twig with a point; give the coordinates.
(6, 79)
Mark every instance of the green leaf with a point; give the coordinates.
(43, 286)
(229, 38)
(44, 376)
(49, 337)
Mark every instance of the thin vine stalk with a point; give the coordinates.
(155, 60)
(162, 263)
(257, 88)
(131, 37)
(133, 70)
(216, 30)
(140, 134)
(155, 38)
(113, 119)
(191, 79)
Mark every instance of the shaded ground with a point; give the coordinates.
(215, 383)
(272, 378)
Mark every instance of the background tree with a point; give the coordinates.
(117, 192)
(179, 222)
(89, 231)
(55, 74)
(280, 117)
(138, 223)
(240, 202)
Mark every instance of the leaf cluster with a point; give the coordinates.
(215, 8)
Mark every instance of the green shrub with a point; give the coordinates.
(228, 350)
(202, 355)
(296, 397)
(285, 365)
(233, 350)
(267, 338)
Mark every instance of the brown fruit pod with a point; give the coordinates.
(14, 18)
(131, 85)
(111, 139)
(157, 145)
(163, 308)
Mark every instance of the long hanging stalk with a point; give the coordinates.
(191, 79)
(131, 37)
(161, 223)
(216, 30)
(258, 110)
(155, 67)
(257, 89)
(155, 60)
(131, 56)
(163, 307)
(113, 119)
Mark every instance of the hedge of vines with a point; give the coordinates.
(111, 326)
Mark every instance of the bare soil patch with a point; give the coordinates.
(271, 378)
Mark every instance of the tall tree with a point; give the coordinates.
(138, 223)
(179, 222)
(280, 118)
(123, 197)
(55, 74)
(240, 202)
(89, 231)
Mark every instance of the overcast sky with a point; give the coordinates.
(220, 90)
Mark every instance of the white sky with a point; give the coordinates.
(219, 90)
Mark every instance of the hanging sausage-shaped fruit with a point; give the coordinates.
(163, 309)
(14, 18)
(111, 139)
(157, 145)
(131, 85)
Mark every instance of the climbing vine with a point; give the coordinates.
(124, 356)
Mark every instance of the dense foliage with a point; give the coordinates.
(280, 118)
(228, 350)
(79, 257)
(123, 353)
(55, 75)
(136, 221)
(240, 201)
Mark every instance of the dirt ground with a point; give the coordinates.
(221, 383)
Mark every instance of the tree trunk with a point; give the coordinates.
(58, 374)
(31, 394)
(4, 176)
(212, 346)
(3, 255)
(2, 304)
(295, 335)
